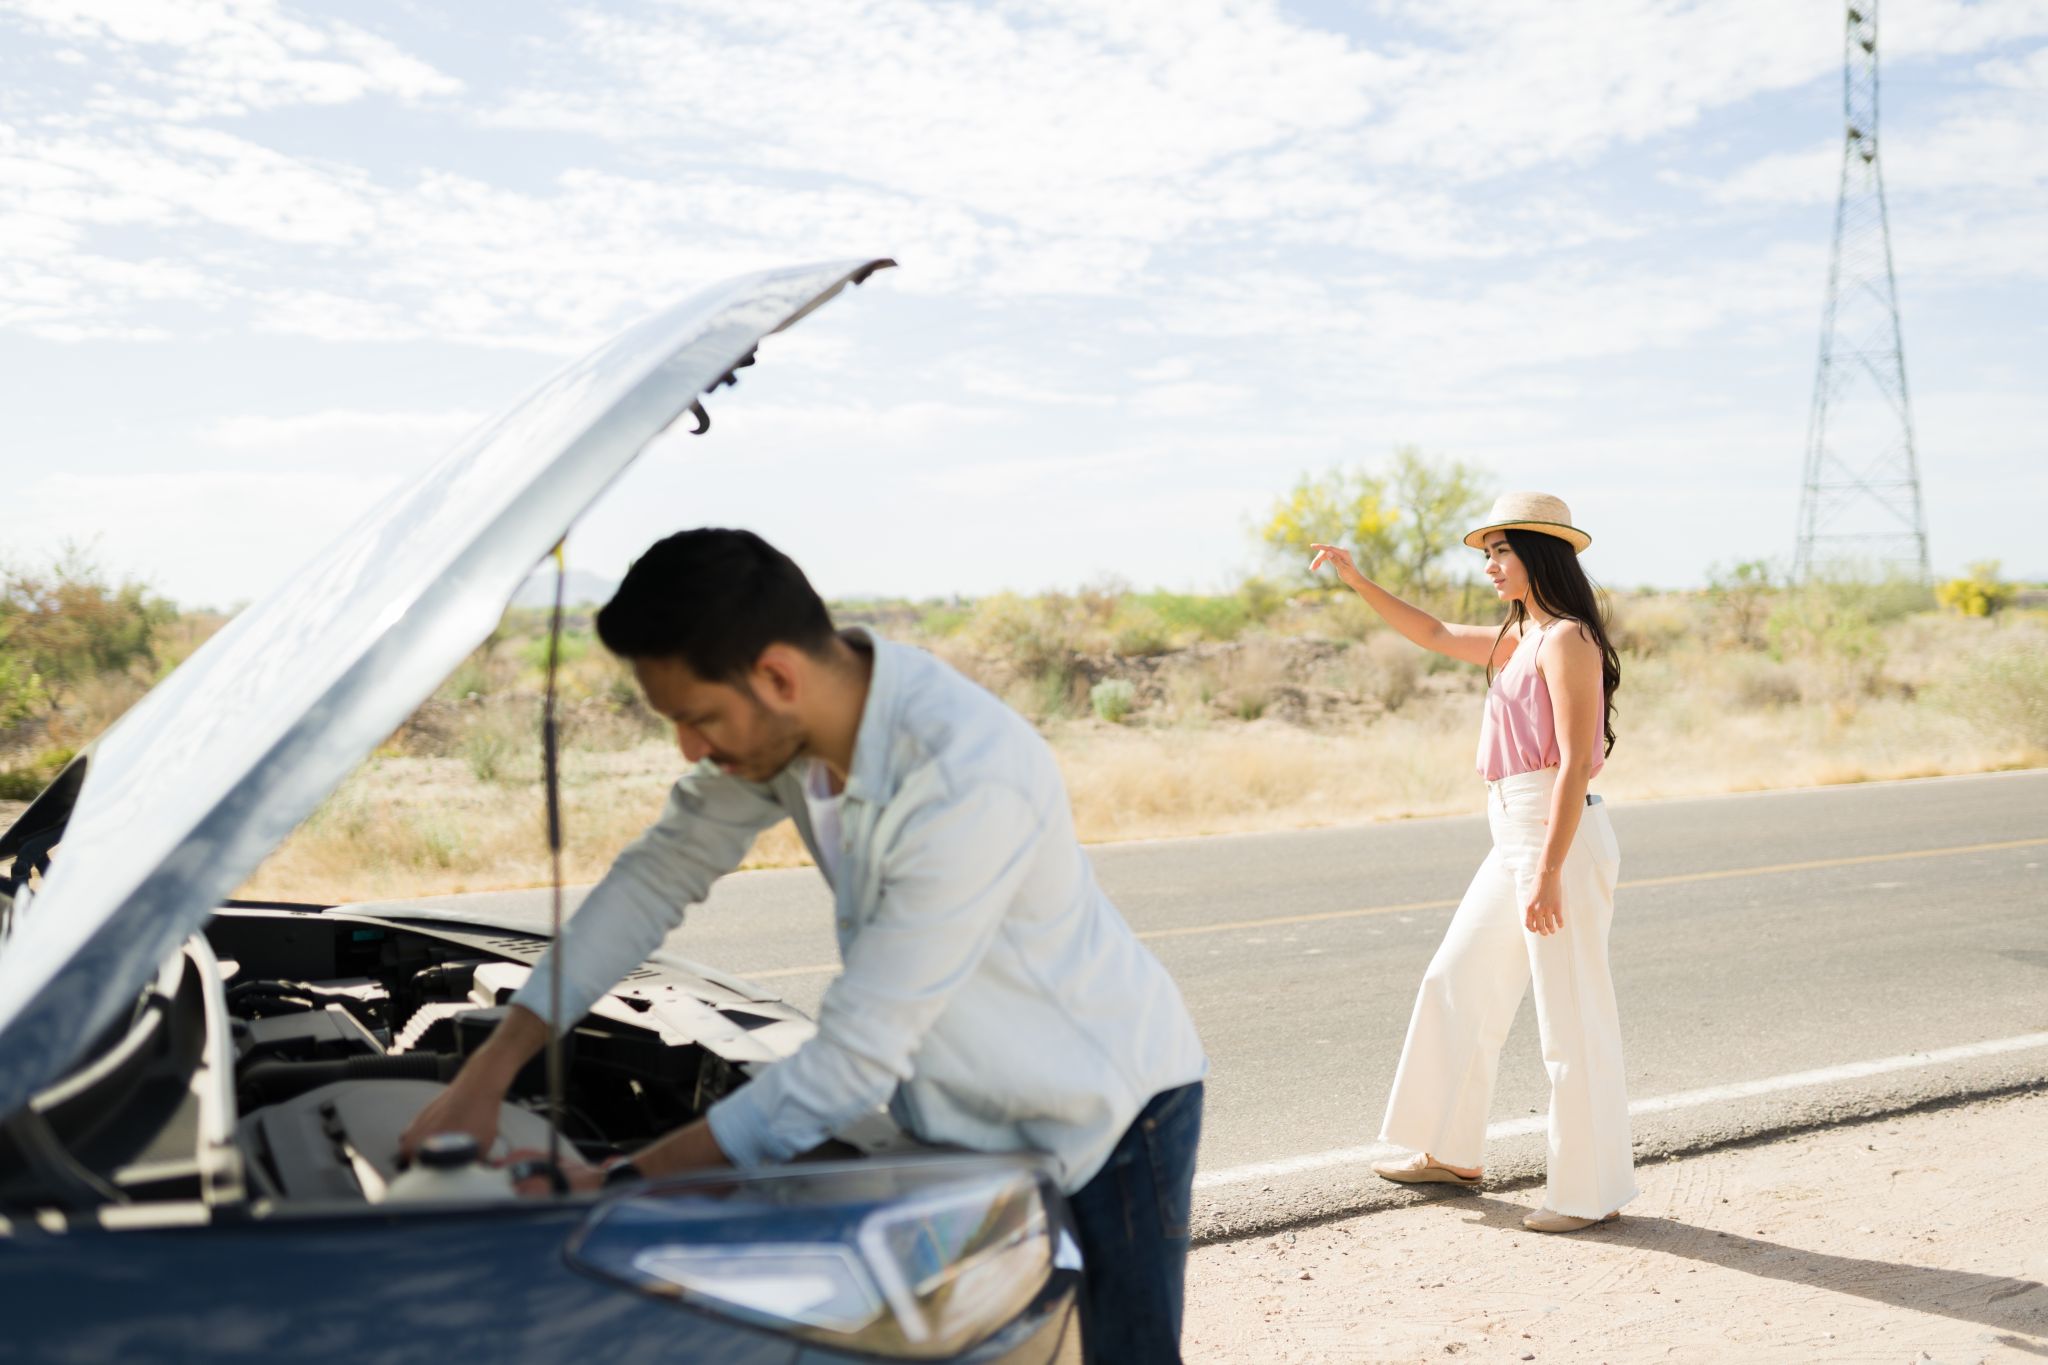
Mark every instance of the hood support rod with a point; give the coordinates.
(551, 770)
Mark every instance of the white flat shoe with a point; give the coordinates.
(1543, 1220)
(1420, 1169)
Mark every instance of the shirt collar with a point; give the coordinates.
(868, 778)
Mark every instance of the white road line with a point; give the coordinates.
(1354, 826)
(1662, 1104)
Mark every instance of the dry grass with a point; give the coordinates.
(1245, 717)
(1691, 724)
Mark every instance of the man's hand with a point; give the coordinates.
(536, 1184)
(466, 1106)
(470, 1104)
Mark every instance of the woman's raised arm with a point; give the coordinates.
(1468, 644)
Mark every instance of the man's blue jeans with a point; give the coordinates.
(1132, 1218)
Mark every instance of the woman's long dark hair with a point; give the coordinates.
(1561, 588)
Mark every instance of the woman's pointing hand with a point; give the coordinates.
(1333, 554)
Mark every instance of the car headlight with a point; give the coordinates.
(909, 1259)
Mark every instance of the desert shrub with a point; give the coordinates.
(1832, 625)
(576, 645)
(938, 622)
(1382, 668)
(93, 705)
(1053, 694)
(471, 678)
(1188, 617)
(1032, 634)
(25, 781)
(65, 624)
(23, 696)
(176, 641)
(1188, 692)
(1138, 630)
(1739, 601)
(1112, 699)
(1344, 616)
(1650, 626)
(1261, 599)
(502, 743)
(1249, 678)
(1983, 593)
(1758, 682)
(435, 842)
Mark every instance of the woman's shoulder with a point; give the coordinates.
(1567, 637)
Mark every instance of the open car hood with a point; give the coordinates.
(197, 784)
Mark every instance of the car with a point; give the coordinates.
(203, 1096)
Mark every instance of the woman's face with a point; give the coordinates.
(1510, 577)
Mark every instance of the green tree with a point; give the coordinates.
(1436, 501)
(1336, 507)
(1398, 526)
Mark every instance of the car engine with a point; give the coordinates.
(330, 1068)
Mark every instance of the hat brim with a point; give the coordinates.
(1571, 535)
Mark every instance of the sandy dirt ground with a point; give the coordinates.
(1913, 1239)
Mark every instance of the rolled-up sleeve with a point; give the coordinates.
(947, 878)
(704, 830)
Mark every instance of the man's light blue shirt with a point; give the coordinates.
(991, 996)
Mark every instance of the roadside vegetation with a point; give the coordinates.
(1280, 704)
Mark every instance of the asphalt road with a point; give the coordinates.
(1755, 936)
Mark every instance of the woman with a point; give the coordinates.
(1541, 902)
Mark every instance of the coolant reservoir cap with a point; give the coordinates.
(446, 1151)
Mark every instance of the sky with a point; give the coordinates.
(261, 262)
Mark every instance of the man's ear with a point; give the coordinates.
(778, 674)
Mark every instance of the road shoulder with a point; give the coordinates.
(1914, 1237)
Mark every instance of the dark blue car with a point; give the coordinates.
(202, 1098)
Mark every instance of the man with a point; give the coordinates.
(991, 996)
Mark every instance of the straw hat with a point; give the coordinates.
(1530, 512)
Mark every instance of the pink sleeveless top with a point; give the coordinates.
(1519, 733)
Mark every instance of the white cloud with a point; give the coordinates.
(2021, 73)
(188, 61)
(343, 435)
(1191, 400)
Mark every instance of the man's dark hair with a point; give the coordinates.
(714, 599)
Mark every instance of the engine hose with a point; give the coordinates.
(269, 1082)
(300, 996)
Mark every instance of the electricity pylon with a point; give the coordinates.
(1862, 491)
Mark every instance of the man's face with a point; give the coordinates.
(749, 730)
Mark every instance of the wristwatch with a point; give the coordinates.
(622, 1172)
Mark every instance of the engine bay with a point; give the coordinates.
(333, 1030)
(330, 1068)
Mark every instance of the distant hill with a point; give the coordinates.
(580, 589)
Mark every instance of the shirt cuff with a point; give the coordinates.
(741, 1129)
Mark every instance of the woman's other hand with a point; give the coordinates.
(1544, 914)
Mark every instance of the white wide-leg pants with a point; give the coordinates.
(1444, 1086)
